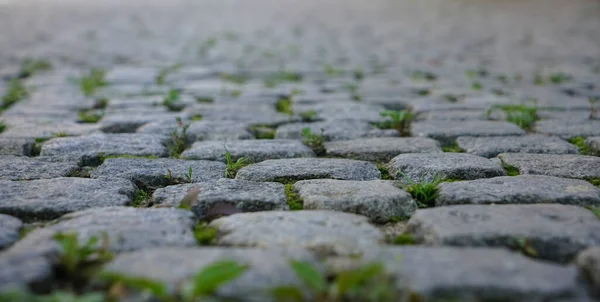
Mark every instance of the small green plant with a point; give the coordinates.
(141, 198)
(369, 283)
(205, 99)
(188, 175)
(293, 198)
(119, 281)
(383, 169)
(308, 116)
(262, 131)
(522, 115)
(419, 75)
(476, 86)
(233, 166)
(332, 71)
(282, 77)
(89, 116)
(171, 101)
(284, 105)
(523, 245)
(314, 141)
(424, 191)
(594, 110)
(162, 75)
(75, 258)
(234, 78)
(2, 126)
(595, 210)
(403, 239)
(399, 120)
(453, 148)
(204, 234)
(511, 170)
(92, 81)
(16, 92)
(206, 282)
(30, 66)
(559, 78)
(178, 141)
(100, 103)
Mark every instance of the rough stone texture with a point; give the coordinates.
(380, 201)
(267, 268)
(88, 147)
(446, 132)
(51, 198)
(255, 150)
(520, 189)
(247, 196)
(334, 130)
(9, 230)
(567, 166)
(129, 122)
(127, 228)
(218, 131)
(32, 130)
(245, 113)
(16, 146)
(309, 168)
(325, 233)
(556, 232)
(569, 129)
(589, 262)
(153, 172)
(443, 165)
(593, 144)
(484, 274)
(26, 168)
(492, 146)
(381, 149)
(20, 271)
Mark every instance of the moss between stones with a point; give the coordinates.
(293, 198)
(284, 105)
(385, 174)
(204, 234)
(403, 239)
(579, 141)
(595, 210)
(453, 148)
(511, 170)
(594, 181)
(262, 131)
(141, 199)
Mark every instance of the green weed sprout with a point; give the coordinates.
(161, 78)
(424, 191)
(233, 167)
(314, 141)
(399, 120)
(206, 282)
(2, 126)
(178, 138)
(74, 257)
(308, 116)
(30, 66)
(89, 116)
(522, 115)
(92, 81)
(16, 92)
(171, 101)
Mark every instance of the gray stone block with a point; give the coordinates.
(523, 189)
(334, 130)
(256, 150)
(309, 168)
(492, 146)
(567, 166)
(154, 172)
(9, 230)
(247, 196)
(380, 201)
(90, 148)
(27, 168)
(16, 146)
(21, 271)
(555, 232)
(446, 132)
(324, 233)
(51, 198)
(381, 149)
(568, 129)
(593, 144)
(446, 166)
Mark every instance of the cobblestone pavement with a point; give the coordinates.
(455, 142)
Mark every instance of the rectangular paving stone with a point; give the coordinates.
(173, 266)
(446, 132)
(201, 130)
(154, 172)
(9, 230)
(16, 146)
(381, 149)
(335, 130)
(27, 168)
(444, 166)
(476, 274)
(247, 113)
(129, 122)
(291, 169)
(380, 201)
(323, 233)
(522, 189)
(247, 196)
(569, 129)
(49, 130)
(565, 165)
(254, 150)
(491, 146)
(554, 232)
(50, 198)
(90, 148)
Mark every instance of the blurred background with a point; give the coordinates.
(515, 35)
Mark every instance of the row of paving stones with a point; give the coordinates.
(539, 209)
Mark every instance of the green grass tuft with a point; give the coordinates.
(234, 166)
(284, 105)
(204, 234)
(30, 66)
(424, 191)
(522, 115)
(171, 101)
(293, 198)
(385, 174)
(511, 170)
(400, 120)
(162, 75)
(92, 81)
(16, 92)
(89, 116)
(403, 239)
(2, 126)
(453, 148)
(314, 141)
